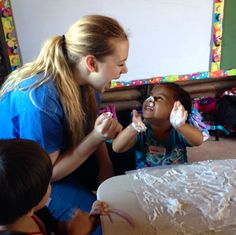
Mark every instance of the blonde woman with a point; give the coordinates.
(52, 101)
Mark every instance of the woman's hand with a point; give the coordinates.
(106, 126)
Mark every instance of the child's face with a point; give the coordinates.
(159, 107)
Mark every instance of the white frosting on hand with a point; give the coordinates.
(140, 127)
(178, 115)
(137, 122)
(100, 124)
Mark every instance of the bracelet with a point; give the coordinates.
(138, 128)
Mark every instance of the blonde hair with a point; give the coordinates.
(92, 34)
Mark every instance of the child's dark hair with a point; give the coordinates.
(8, 232)
(25, 173)
(179, 94)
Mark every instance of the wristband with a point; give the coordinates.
(138, 128)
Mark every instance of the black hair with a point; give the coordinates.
(25, 173)
(179, 94)
(7, 232)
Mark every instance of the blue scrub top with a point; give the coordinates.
(35, 114)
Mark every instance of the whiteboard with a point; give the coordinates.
(167, 37)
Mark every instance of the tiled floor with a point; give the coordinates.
(225, 148)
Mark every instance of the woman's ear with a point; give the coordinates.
(91, 63)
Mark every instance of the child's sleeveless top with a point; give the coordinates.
(40, 225)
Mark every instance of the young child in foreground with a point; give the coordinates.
(25, 174)
(162, 138)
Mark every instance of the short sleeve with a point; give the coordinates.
(35, 114)
(42, 118)
(46, 128)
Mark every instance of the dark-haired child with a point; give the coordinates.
(162, 138)
(25, 174)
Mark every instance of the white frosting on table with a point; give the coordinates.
(191, 199)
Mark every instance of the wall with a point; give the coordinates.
(166, 36)
(228, 59)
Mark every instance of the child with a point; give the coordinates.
(163, 139)
(25, 174)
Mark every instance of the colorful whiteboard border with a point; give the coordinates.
(15, 60)
(217, 34)
(215, 71)
(10, 34)
(174, 78)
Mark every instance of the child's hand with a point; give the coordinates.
(178, 115)
(99, 208)
(137, 122)
(83, 223)
(106, 126)
(80, 224)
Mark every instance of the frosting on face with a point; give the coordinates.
(189, 199)
(151, 101)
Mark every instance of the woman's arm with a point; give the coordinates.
(66, 162)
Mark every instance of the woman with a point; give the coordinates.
(52, 101)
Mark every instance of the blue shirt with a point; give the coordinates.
(35, 114)
(149, 152)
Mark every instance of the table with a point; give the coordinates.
(118, 193)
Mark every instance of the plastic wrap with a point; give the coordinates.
(197, 198)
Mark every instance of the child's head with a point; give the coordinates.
(25, 173)
(7, 232)
(162, 99)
